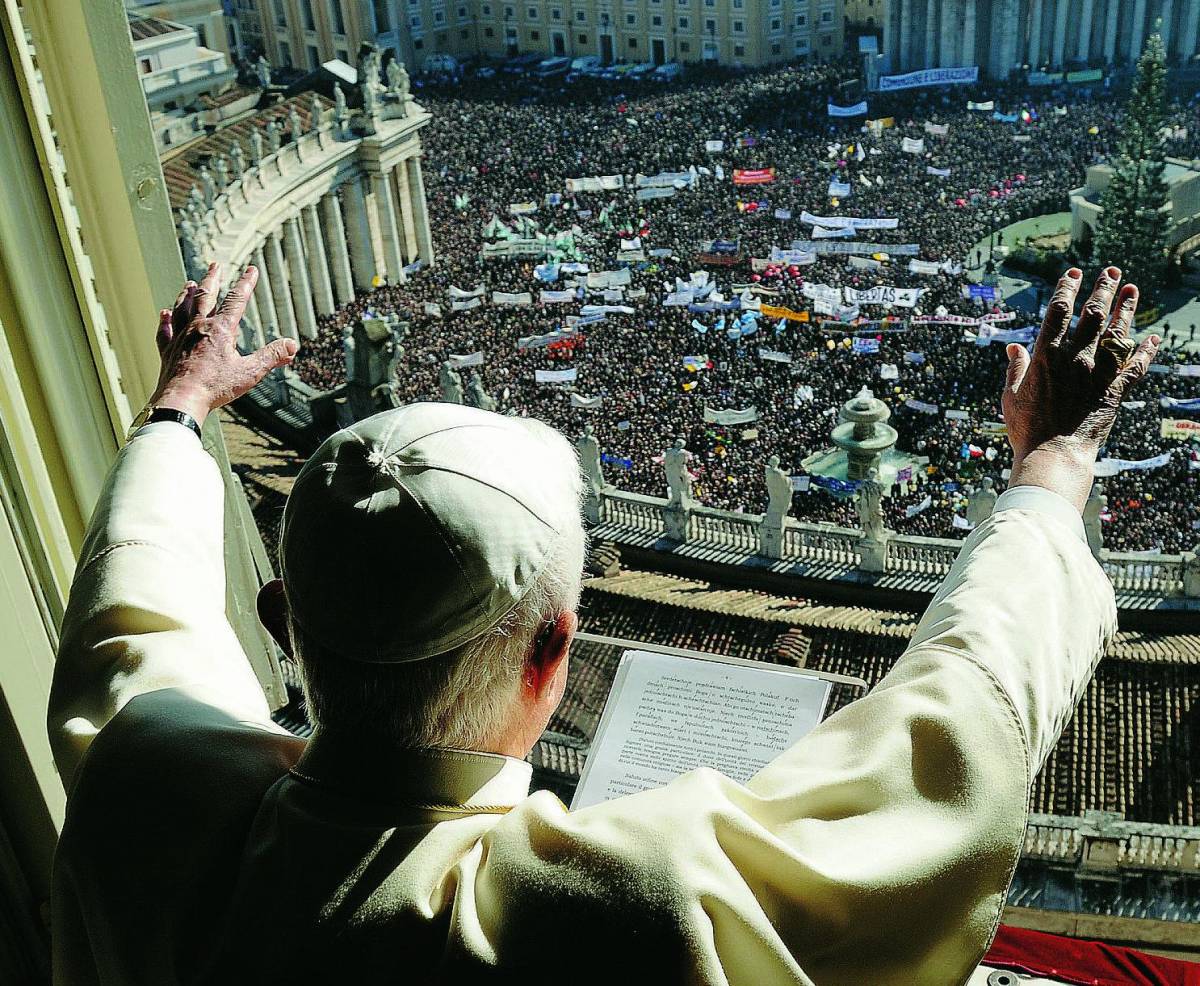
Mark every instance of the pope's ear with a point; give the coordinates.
(272, 614)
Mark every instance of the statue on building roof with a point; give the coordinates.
(589, 459)
(262, 68)
(981, 502)
(295, 124)
(679, 477)
(341, 112)
(398, 81)
(208, 184)
(222, 167)
(1093, 509)
(870, 507)
(256, 147)
(274, 137)
(450, 381)
(477, 396)
(779, 491)
(238, 158)
(195, 199)
(315, 112)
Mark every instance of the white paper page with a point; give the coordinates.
(667, 715)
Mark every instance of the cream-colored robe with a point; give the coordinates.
(204, 845)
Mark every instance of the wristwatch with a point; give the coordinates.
(150, 414)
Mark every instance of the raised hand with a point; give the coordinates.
(1061, 402)
(197, 341)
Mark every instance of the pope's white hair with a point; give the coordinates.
(462, 699)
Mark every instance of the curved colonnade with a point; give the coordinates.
(324, 203)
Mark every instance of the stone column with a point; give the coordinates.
(1137, 30)
(1083, 47)
(269, 323)
(1111, 23)
(1003, 54)
(318, 264)
(335, 240)
(968, 38)
(385, 206)
(950, 33)
(416, 195)
(256, 339)
(1034, 55)
(1168, 15)
(408, 225)
(1191, 30)
(284, 311)
(1060, 32)
(906, 14)
(358, 235)
(929, 59)
(306, 318)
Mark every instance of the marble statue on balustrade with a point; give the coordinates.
(399, 85)
(189, 245)
(588, 449)
(195, 199)
(315, 113)
(477, 396)
(274, 136)
(348, 350)
(679, 491)
(295, 124)
(981, 502)
(341, 110)
(262, 69)
(222, 168)
(208, 184)
(1191, 572)
(779, 502)
(256, 147)
(237, 158)
(1097, 504)
(870, 507)
(450, 380)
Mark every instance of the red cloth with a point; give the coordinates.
(1089, 963)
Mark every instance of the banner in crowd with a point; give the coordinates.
(512, 298)
(593, 318)
(522, 208)
(913, 145)
(953, 414)
(982, 107)
(744, 416)
(461, 362)
(519, 247)
(587, 310)
(800, 484)
(458, 293)
(433, 309)
(465, 306)
(916, 405)
(599, 280)
(839, 189)
(799, 258)
(864, 345)
(884, 294)
(613, 295)
(555, 297)
(1187, 370)
(929, 77)
(918, 508)
(537, 342)
(924, 267)
(1111, 467)
(599, 183)
(824, 293)
(865, 249)
(881, 124)
(774, 356)
(964, 320)
(1004, 117)
(836, 233)
(864, 263)
(714, 146)
(987, 292)
(889, 371)
(1180, 404)
(555, 376)
(993, 429)
(988, 335)
(586, 403)
(645, 194)
(753, 176)
(937, 129)
(665, 179)
(854, 222)
(858, 109)
(777, 311)
(1182, 429)
(937, 172)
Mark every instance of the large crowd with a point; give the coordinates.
(497, 143)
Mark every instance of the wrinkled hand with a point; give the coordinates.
(197, 341)
(1061, 402)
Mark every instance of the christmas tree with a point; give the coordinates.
(1132, 232)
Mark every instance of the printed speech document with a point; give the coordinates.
(668, 714)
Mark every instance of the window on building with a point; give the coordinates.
(383, 17)
(801, 20)
(802, 46)
(580, 16)
(285, 53)
(583, 39)
(510, 13)
(280, 13)
(656, 20)
(631, 20)
(307, 15)
(314, 57)
(510, 33)
(826, 40)
(418, 44)
(710, 3)
(439, 17)
(144, 65)
(776, 24)
(555, 14)
(775, 49)
(533, 13)
(488, 32)
(462, 13)
(337, 17)
(738, 4)
(486, 10)
(826, 17)
(684, 48)
(710, 26)
(535, 36)
(633, 43)
(343, 55)
(683, 23)
(415, 22)
(739, 51)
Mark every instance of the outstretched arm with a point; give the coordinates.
(147, 606)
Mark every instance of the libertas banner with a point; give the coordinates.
(929, 77)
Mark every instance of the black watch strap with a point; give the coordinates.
(180, 417)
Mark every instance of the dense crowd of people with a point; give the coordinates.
(497, 143)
